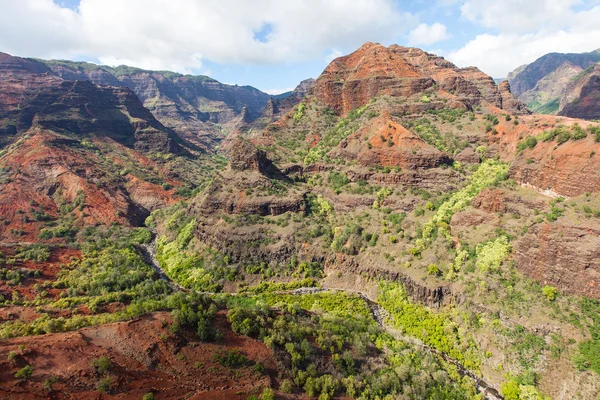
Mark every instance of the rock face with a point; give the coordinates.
(193, 106)
(562, 255)
(528, 76)
(246, 187)
(351, 81)
(582, 95)
(570, 169)
(31, 96)
(49, 171)
(562, 84)
(56, 160)
(387, 143)
(280, 105)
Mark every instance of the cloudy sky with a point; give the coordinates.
(273, 44)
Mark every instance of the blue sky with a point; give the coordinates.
(273, 45)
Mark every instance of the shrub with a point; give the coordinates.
(550, 292)
(393, 239)
(148, 396)
(286, 386)
(267, 394)
(104, 385)
(101, 364)
(490, 255)
(231, 358)
(24, 373)
(529, 142)
(433, 269)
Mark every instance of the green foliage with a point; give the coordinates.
(24, 373)
(148, 396)
(335, 135)
(550, 292)
(489, 173)
(589, 350)
(231, 358)
(492, 119)
(299, 113)
(320, 206)
(36, 252)
(446, 141)
(101, 364)
(190, 268)
(104, 385)
(490, 255)
(435, 329)
(248, 321)
(267, 394)
(526, 346)
(433, 269)
(529, 142)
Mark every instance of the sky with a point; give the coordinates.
(274, 44)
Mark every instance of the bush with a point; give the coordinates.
(433, 269)
(24, 373)
(530, 142)
(231, 359)
(101, 364)
(267, 394)
(550, 292)
(104, 385)
(148, 396)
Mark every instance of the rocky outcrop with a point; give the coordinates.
(582, 95)
(570, 169)
(31, 96)
(196, 107)
(562, 255)
(278, 106)
(46, 173)
(434, 297)
(468, 156)
(528, 76)
(510, 102)
(251, 185)
(386, 142)
(352, 81)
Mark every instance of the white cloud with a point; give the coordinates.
(159, 34)
(519, 16)
(335, 53)
(278, 91)
(526, 31)
(425, 34)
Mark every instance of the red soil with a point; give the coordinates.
(144, 358)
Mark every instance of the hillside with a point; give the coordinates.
(552, 84)
(398, 228)
(200, 109)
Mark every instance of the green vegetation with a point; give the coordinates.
(335, 135)
(589, 350)
(101, 364)
(331, 348)
(190, 268)
(434, 329)
(560, 134)
(490, 255)
(24, 373)
(489, 173)
(446, 141)
(231, 359)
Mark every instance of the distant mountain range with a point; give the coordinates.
(560, 84)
